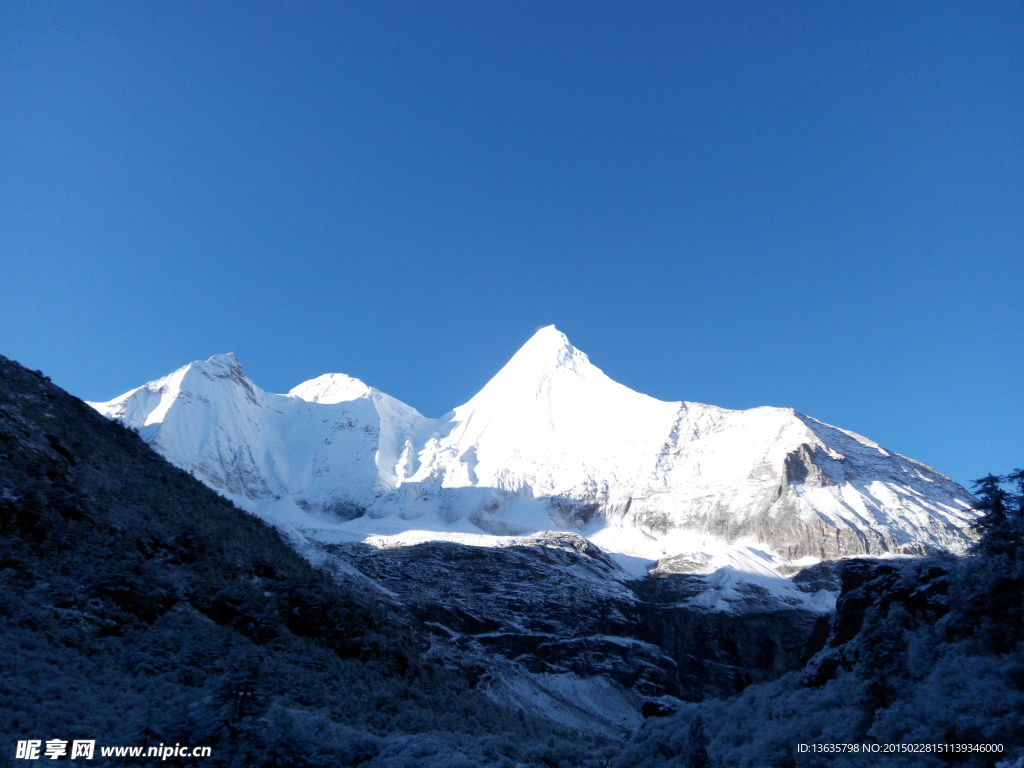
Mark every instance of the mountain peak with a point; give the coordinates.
(216, 368)
(329, 388)
(544, 364)
(549, 337)
(223, 363)
(547, 348)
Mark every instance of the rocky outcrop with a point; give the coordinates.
(878, 602)
(555, 606)
(719, 653)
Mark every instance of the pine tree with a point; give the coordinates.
(998, 530)
(995, 575)
(1016, 478)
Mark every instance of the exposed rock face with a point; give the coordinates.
(873, 595)
(719, 653)
(557, 605)
(556, 608)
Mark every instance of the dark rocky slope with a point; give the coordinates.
(921, 652)
(138, 607)
(556, 605)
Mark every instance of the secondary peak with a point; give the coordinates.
(330, 388)
(226, 360)
(218, 366)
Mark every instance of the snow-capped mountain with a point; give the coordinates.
(550, 443)
(331, 444)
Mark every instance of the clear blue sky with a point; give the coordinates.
(815, 205)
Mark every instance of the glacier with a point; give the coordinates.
(549, 444)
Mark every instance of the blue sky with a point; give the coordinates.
(801, 204)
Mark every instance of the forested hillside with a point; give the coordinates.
(138, 607)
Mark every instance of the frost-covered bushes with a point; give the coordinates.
(760, 727)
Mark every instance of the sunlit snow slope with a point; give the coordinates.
(549, 443)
